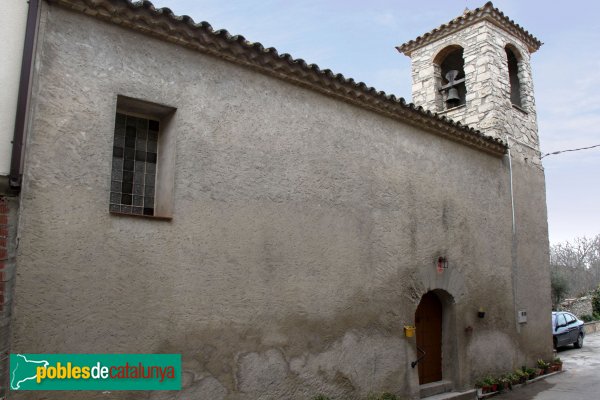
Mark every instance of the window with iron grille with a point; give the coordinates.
(143, 159)
(133, 178)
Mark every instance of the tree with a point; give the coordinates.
(559, 287)
(578, 263)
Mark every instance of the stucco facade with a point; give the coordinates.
(304, 230)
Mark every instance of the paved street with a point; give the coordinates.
(581, 379)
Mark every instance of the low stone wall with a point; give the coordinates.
(591, 327)
(579, 307)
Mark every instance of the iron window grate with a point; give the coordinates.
(133, 176)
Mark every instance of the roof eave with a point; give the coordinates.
(182, 30)
(485, 13)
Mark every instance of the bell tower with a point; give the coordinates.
(476, 70)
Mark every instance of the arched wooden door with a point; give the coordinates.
(428, 321)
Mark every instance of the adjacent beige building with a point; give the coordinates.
(12, 30)
(14, 80)
(187, 191)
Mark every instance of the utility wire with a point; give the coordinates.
(564, 151)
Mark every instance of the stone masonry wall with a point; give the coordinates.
(579, 306)
(488, 106)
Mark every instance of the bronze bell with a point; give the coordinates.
(453, 98)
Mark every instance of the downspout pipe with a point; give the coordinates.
(512, 194)
(513, 249)
(20, 133)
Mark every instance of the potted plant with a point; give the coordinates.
(504, 382)
(493, 383)
(514, 379)
(543, 366)
(531, 373)
(488, 385)
(521, 375)
(479, 384)
(557, 363)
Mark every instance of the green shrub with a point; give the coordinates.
(587, 318)
(596, 301)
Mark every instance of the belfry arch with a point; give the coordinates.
(451, 88)
(513, 58)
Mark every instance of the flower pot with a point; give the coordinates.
(558, 367)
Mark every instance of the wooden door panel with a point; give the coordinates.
(428, 321)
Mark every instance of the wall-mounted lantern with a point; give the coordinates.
(442, 264)
(481, 313)
(409, 331)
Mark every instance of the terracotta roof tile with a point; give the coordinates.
(142, 16)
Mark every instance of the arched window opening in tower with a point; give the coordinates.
(513, 73)
(452, 77)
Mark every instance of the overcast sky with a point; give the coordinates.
(357, 38)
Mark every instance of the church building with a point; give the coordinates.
(289, 231)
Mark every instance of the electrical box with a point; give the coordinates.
(522, 316)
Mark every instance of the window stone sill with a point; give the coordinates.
(452, 109)
(157, 217)
(516, 107)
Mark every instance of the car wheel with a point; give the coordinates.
(579, 343)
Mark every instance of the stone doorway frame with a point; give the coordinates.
(450, 356)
